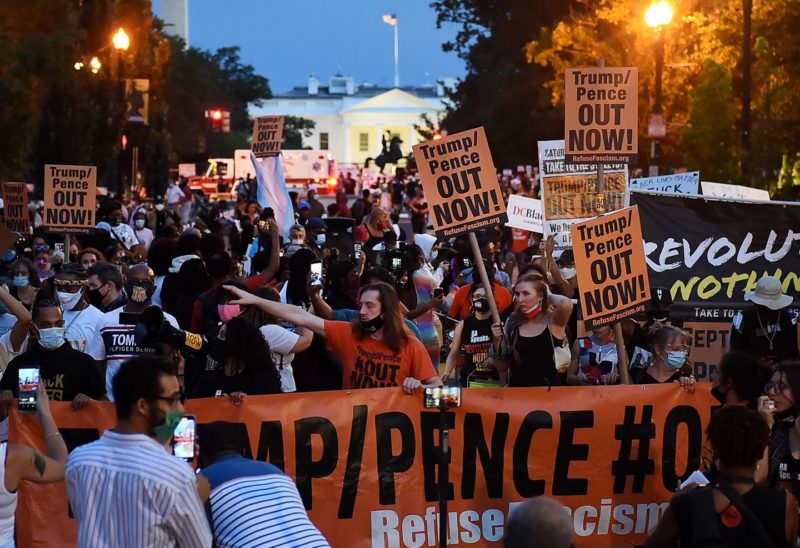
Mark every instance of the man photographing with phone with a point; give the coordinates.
(125, 489)
(376, 350)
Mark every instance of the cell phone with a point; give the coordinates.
(316, 273)
(466, 262)
(28, 387)
(442, 396)
(437, 292)
(59, 246)
(184, 438)
(357, 250)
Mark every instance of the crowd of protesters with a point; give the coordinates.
(270, 323)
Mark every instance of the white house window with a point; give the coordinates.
(363, 142)
(323, 141)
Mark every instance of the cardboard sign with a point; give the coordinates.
(267, 135)
(187, 170)
(612, 272)
(734, 192)
(460, 183)
(709, 342)
(69, 198)
(568, 191)
(525, 213)
(365, 461)
(679, 183)
(15, 200)
(601, 115)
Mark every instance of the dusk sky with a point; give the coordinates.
(287, 41)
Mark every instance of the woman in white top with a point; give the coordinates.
(23, 463)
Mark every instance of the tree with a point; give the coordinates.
(501, 91)
(294, 129)
(709, 140)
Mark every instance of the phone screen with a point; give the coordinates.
(438, 292)
(466, 262)
(316, 273)
(183, 446)
(357, 249)
(28, 386)
(449, 395)
(397, 263)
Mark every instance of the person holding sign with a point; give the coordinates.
(668, 361)
(377, 350)
(531, 334)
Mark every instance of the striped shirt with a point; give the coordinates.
(126, 490)
(253, 504)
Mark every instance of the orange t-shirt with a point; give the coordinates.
(461, 303)
(369, 363)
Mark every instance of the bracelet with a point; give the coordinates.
(52, 434)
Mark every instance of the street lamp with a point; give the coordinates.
(658, 15)
(121, 43)
(120, 40)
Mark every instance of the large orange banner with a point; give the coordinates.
(365, 461)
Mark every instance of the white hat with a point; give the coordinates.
(769, 293)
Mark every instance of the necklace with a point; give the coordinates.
(66, 329)
(766, 333)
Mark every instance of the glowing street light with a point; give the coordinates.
(78, 65)
(121, 40)
(94, 64)
(658, 14)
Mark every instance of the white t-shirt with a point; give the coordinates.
(114, 342)
(126, 234)
(145, 237)
(281, 341)
(80, 329)
(174, 194)
(7, 353)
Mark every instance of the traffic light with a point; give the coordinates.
(219, 120)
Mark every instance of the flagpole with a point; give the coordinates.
(396, 55)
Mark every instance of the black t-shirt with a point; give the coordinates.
(65, 372)
(765, 334)
(639, 375)
(217, 382)
(476, 338)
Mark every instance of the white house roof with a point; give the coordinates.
(393, 100)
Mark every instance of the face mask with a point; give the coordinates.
(138, 223)
(567, 273)
(165, 430)
(21, 281)
(533, 312)
(228, 311)
(371, 326)
(717, 392)
(73, 257)
(481, 304)
(383, 225)
(113, 222)
(68, 300)
(139, 292)
(297, 241)
(51, 338)
(675, 359)
(95, 297)
(320, 240)
(658, 315)
(159, 207)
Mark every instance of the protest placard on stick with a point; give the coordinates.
(69, 198)
(15, 200)
(267, 135)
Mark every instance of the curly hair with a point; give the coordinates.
(738, 436)
(246, 347)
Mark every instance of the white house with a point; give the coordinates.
(351, 119)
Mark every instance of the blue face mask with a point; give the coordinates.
(138, 223)
(320, 240)
(675, 359)
(21, 281)
(51, 338)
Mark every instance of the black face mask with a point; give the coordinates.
(658, 315)
(481, 304)
(371, 326)
(95, 298)
(139, 292)
(719, 394)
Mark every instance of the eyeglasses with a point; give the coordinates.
(173, 400)
(683, 347)
(779, 386)
(42, 247)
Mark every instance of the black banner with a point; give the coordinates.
(713, 251)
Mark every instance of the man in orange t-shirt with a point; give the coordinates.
(376, 350)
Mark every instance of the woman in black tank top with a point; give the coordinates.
(531, 334)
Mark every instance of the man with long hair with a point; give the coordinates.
(376, 350)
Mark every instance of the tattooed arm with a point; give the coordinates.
(26, 463)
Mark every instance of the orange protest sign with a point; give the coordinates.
(69, 198)
(365, 461)
(601, 113)
(267, 135)
(15, 207)
(709, 342)
(460, 183)
(612, 272)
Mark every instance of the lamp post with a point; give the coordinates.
(121, 43)
(658, 15)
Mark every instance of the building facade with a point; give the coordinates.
(351, 120)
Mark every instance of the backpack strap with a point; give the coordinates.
(755, 524)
